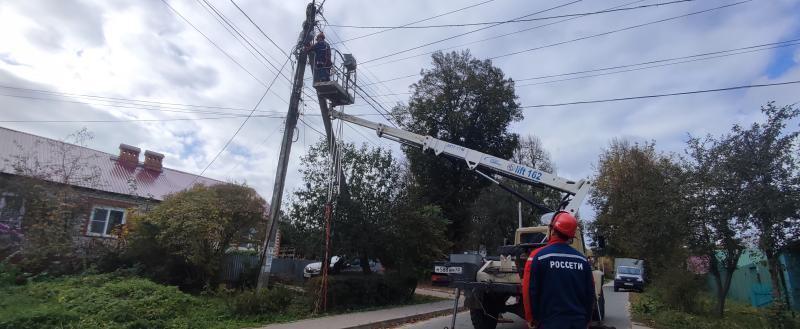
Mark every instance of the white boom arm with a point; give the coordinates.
(479, 160)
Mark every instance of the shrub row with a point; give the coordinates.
(348, 291)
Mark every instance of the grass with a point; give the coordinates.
(647, 309)
(128, 302)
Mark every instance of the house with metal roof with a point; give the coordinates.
(110, 184)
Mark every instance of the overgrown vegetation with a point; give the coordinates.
(651, 309)
(125, 301)
(359, 291)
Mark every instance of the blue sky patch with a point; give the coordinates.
(782, 61)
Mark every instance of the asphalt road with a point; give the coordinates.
(616, 316)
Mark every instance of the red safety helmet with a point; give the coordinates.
(564, 223)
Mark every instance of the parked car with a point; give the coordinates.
(339, 265)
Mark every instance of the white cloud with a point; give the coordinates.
(140, 49)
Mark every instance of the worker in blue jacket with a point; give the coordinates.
(561, 287)
(322, 58)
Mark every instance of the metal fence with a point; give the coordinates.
(233, 265)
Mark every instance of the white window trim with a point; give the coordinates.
(105, 227)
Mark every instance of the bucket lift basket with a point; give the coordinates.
(340, 88)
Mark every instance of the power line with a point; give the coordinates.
(213, 43)
(258, 27)
(134, 106)
(130, 100)
(132, 103)
(236, 31)
(656, 66)
(509, 21)
(500, 35)
(465, 33)
(135, 120)
(242, 125)
(662, 95)
(365, 136)
(420, 21)
(396, 78)
(778, 44)
(312, 127)
(619, 30)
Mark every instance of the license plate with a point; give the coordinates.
(628, 284)
(448, 269)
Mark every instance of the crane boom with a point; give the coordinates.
(479, 160)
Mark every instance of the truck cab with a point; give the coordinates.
(629, 278)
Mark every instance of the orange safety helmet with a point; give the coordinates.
(564, 223)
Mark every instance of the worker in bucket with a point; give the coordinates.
(557, 285)
(322, 58)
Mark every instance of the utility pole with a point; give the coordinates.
(286, 146)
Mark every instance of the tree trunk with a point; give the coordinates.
(774, 275)
(723, 294)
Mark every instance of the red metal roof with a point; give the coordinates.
(109, 174)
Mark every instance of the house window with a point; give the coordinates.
(104, 220)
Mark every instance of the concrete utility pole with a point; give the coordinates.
(286, 146)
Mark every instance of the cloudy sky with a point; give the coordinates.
(76, 60)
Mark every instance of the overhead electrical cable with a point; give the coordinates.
(214, 43)
(524, 20)
(620, 30)
(420, 21)
(465, 33)
(135, 120)
(778, 44)
(656, 66)
(135, 106)
(243, 123)
(240, 37)
(258, 27)
(663, 95)
(120, 99)
(136, 103)
(497, 36)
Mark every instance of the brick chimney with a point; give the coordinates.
(152, 160)
(128, 155)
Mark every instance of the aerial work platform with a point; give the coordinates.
(340, 87)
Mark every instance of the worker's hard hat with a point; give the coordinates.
(320, 36)
(564, 223)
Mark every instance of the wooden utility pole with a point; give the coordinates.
(286, 145)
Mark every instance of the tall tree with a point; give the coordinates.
(767, 166)
(639, 205)
(714, 197)
(465, 101)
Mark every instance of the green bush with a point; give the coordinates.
(348, 291)
(253, 302)
(679, 289)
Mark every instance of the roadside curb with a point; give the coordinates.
(406, 319)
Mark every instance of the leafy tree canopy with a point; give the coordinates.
(465, 101)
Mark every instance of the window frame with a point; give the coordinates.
(108, 209)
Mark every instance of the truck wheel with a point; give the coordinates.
(481, 320)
